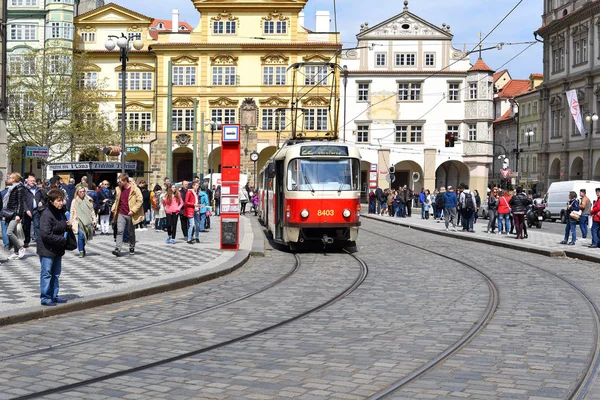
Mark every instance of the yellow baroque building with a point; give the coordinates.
(251, 55)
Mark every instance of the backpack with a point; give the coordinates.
(469, 203)
(439, 201)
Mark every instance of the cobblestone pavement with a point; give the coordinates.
(101, 272)
(412, 306)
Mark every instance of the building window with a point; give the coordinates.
(401, 134)
(274, 76)
(23, 3)
(23, 32)
(535, 107)
(271, 120)
(315, 119)
(146, 80)
(21, 105)
(137, 121)
(429, 59)
(275, 27)
(472, 132)
(534, 164)
(59, 64)
(134, 36)
(60, 30)
(363, 91)
(223, 76)
(362, 134)
(555, 124)
(184, 76)
(404, 60)
(453, 129)
(473, 91)
(136, 80)
(223, 115)
(19, 64)
(380, 60)
(416, 134)
(183, 120)
(580, 51)
(224, 27)
(316, 75)
(88, 80)
(410, 91)
(558, 58)
(454, 92)
(88, 37)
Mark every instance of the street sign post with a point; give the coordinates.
(132, 149)
(36, 152)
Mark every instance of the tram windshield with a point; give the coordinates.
(319, 175)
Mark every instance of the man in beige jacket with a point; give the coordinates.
(127, 211)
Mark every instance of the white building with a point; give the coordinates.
(407, 88)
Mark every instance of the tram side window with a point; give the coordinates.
(319, 175)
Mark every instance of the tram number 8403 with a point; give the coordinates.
(325, 213)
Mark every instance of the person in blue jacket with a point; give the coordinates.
(450, 204)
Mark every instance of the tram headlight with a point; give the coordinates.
(346, 213)
(304, 213)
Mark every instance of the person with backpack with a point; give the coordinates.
(492, 210)
(467, 208)
(519, 203)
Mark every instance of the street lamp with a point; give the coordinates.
(213, 126)
(591, 119)
(123, 44)
(345, 81)
(529, 134)
(515, 111)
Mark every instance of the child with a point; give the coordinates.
(427, 208)
(255, 204)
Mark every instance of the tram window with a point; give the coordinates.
(319, 175)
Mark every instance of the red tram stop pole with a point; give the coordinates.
(230, 181)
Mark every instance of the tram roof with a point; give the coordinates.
(316, 148)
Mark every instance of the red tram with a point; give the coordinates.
(310, 192)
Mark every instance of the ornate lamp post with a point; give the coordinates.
(213, 126)
(123, 44)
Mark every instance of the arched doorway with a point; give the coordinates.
(451, 173)
(183, 164)
(404, 171)
(576, 170)
(263, 156)
(141, 159)
(554, 174)
(214, 160)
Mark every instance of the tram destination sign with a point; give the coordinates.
(317, 150)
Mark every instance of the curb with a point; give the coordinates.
(238, 260)
(527, 248)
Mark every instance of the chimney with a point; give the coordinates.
(175, 26)
(301, 18)
(322, 21)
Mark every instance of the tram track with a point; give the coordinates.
(356, 283)
(581, 387)
(493, 301)
(61, 346)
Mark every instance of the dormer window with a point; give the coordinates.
(182, 28)
(161, 25)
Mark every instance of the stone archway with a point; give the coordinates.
(141, 159)
(451, 173)
(214, 160)
(554, 173)
(576, 170)
(404, 171)
(183, 164)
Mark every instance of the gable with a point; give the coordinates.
(402, 26)
(113, 13)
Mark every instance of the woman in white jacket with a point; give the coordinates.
(243, 197)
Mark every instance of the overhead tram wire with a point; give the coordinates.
(446, 67)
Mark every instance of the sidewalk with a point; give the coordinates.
(539, 242)
(101, 278)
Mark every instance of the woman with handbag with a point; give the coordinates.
(13, 209)
(83, 218)
(51, 247)
(173, 204)
(573, 211)
(192, 212)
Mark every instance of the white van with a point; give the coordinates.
(558, 195)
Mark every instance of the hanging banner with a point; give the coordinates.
(575, 110)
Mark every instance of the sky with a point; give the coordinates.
(467, 18)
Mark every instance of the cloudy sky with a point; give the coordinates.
(466, 18)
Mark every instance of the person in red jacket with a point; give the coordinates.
(191, 212)
(504, 213)
(595, 213)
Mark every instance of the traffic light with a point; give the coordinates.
(392, 170)
(447, 141)
(451, 138)
(112, 151)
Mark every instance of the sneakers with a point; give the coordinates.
(446, 229)
(60, 300)
(197, 240)
(562, 242)
(117, 252)
(81, 254)
(454, 229)
(22, 252)
(168, 240)
(190, 242)
(49, 303)
(131, 250)
(571, 243)
(13, 256)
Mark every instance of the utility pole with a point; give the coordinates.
(3, 95)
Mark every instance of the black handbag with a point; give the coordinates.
(7, 213)
(71, 243)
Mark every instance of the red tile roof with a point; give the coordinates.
(537, 76)
(514, 88)
(498, 74)
(167, 25)
(505, 117)
(480, 65)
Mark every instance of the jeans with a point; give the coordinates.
(583, 224)
(12, 235)
(503, 221)
(595, 233)
(450, 216)
(124, 222)
(402, 210)
(467, 219)
(80, 241)
(422, 210)
(193, 223)
(202, 221)
(50, 272)
(371, 207)
(519, 224)
(5, 240)
(571, 227)
(493, 214)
